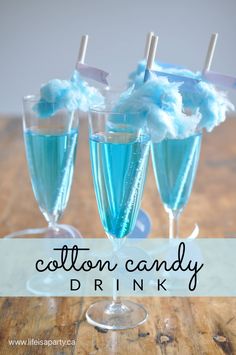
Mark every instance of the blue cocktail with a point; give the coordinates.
(119, 165)
(51, 159)
(175, 164)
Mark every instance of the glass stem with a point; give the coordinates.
(174, 224)
(117, 244)
(116, 307)
(53, 225)
(115, 299)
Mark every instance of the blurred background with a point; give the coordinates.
(39, 40)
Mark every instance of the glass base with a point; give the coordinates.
(62, 231)
(116, 316)
(42, 285)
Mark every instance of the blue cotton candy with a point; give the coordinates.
(200, 98)
(204, 98)
(211, 103)
(54, 90)
(159, 103)
(68, 94)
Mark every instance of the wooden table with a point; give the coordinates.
(183, 326)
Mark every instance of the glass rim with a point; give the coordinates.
(117, 90)
(31, 98)
(111, 112)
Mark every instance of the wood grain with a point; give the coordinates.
(183, 326)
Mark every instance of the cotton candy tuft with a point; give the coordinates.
(159, 103)
(68, 94)
(201, 98)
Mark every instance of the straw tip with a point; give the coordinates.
(154, 42)
(210, 52)
(84, 38)
(152, 52)
(215, 35)
(83, 48)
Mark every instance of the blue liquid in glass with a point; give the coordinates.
(51, 159)
(119, 165)
(175, 164)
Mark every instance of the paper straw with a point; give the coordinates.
(69, 161)
(210, 52)
(151, 56)
(184, 171)
(83, 48)
(185, 168)
(147, 45)
(81, 58)
(152, 52)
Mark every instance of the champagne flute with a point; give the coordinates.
(50, 145)
(119, 154)
(175, 161)
(175, 164)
